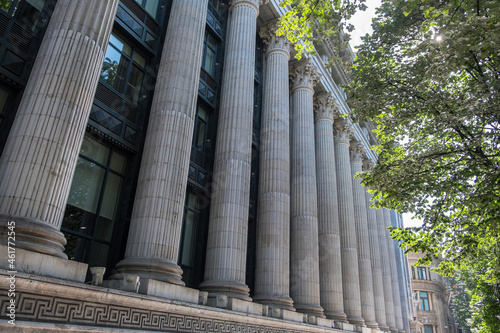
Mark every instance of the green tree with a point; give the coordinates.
(429, 77)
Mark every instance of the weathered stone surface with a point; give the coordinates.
(170, 291)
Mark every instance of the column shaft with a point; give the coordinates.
(272, 274)
(40, 155)
(364, 257)
(398, 315)
(153, 243)
(228, 227)
(386, 270)
(304, 276)
(348, 238)
(378, 281)
(330, 263)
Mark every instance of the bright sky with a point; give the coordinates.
(362, 23)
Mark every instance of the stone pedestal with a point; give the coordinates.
(154, 235)
(361, 218)
(330, 264)
(272, 273)
(304, 272)
(41, 152)
(228, 227)
(376, 260)
(386, 270)
(348, 238)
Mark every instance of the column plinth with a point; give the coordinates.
(330, 263)
(348, 238)
(155, 227)
(361, 218)
(41, 152)
(228, 227)
(304, 272)
(272, 273)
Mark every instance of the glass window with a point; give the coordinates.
(209, 55)
(123, 68)
(428, 329)
(4, 97)
(26, 11)
(423, 301)
(422, 273)
(191, 215)
(201, 129)
(151, 6)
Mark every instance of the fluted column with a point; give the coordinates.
(348, 238)
(330, 263)
(228, 226)
(386, 270)
(154, 235)
(304, 275)
(378, 282)
(272, 273)
(361, 218)
(40, 155)
(398, 314)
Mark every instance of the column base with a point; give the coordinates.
(146, 268)
(275, 301)
(383, 327)
(311, 309)
(357, 320)
(393, 329)
(234, 289)
(371, 324)
(337, 316)
(33, 235)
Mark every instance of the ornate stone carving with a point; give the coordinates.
(325, 107)
(274, 42)
(342, 130)
(357, 151)
(304, 75)
(254, 3)
(368, 165)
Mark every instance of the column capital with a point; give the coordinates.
(325, 107)
(304, 75)
(342, 130)
(254, 3)
(368, 165)
(273, 42)
(357, 151)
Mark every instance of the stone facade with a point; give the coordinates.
(171, 167)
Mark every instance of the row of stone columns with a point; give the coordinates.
(318, 242)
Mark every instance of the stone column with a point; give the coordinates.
(386, 270)
(154, 235)
(228, 227)
(376, 260)
(272, 273)
(40, 155)
(304, 275)
(348, 240)
(361, 218)
(398, 315)
(330, 264)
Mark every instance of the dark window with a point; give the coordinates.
(413, 272)
(428, 329)
(4, 97)
(422, 273)
(26, 11)
(123, 68)
(200, 136)
(209, 55)
(90, 215)
(151, 6)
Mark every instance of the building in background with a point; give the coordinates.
(431, 299)
(167, 165)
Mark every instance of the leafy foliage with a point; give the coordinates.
(311, 21)
(429, 77)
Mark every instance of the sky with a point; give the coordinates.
(362, 23)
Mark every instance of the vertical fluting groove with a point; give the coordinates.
(273, 215)
(330, 264)
(386, 270)
(378, 290)
(348, 241)
(41, 152)
(364, 258)
(227, 234)
(154, 237)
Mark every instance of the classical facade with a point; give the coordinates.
(431, 299)
(167, 165)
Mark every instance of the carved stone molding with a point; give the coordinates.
(325, 107)
(273, 42)
(357, 151)
(342, 130)
(254, 3)
(304, 75)
(368, 165)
